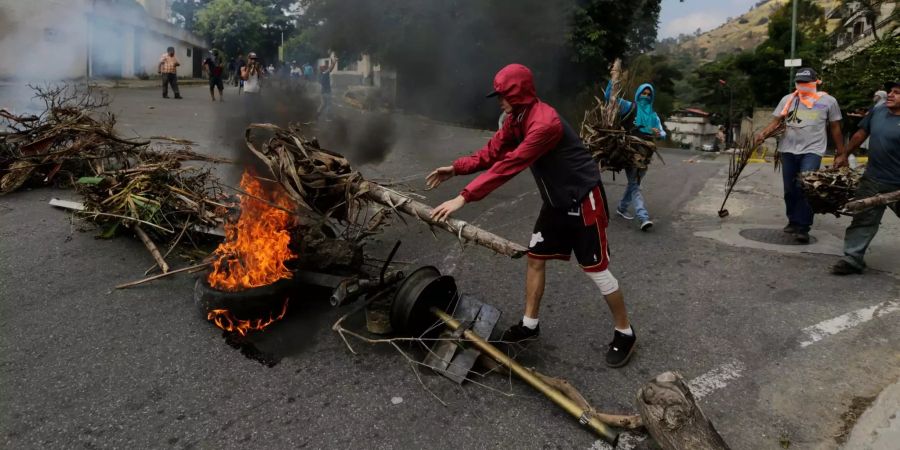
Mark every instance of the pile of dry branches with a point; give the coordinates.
(123, 182)
(828, 190)
(74, 136)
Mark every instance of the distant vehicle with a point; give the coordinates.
(708, 147)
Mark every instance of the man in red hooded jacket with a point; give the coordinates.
(573, 217)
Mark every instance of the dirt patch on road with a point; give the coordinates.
(858, 406)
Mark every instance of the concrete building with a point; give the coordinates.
(73, 39)
(855, 32)
(691, 128)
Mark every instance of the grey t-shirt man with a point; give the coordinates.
(806, 130)
(884, 145)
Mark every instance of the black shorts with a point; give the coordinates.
(558, 233)
(216, 82)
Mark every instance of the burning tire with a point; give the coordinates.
(264, 301)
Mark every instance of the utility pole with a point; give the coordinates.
(793, 42)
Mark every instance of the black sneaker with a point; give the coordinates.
(789, 229)
(519, 333)
(179, 97)
(844, 268)
(621, 348)
(802, 237)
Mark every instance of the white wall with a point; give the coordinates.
(37, 43)
(56, 39)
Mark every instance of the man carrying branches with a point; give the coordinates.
(573, 217)
(882, 127)
(806, 113)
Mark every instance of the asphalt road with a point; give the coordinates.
(778, 349)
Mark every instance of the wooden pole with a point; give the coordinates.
(462, 229)
(870, 202)
(160, 261)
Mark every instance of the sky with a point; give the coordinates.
(685, 17)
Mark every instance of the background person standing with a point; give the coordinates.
(252, 74)
(808, 115)
(168, 68)
(325, 83)
(213, 66)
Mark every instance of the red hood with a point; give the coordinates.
(516, 84)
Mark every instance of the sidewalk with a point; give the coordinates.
(757, 203)
(143, 84)
(879, 427)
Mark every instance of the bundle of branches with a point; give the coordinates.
(74, 135)
(610, 144)
(161, 201)
(607, 140)
(828, 190)
(328, 189)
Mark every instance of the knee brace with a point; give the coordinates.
(605, 281)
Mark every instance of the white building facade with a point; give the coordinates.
(76, 39)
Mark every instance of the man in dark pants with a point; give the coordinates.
(808, 115)
(212, 65)
(573, 217)
(168, 65)
(882, 127)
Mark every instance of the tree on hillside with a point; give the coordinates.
(758, 77)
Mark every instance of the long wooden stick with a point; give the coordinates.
(870, 202)
(160, 261)
(163, 275)
(462, 229)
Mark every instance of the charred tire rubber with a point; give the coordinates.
(247, 304)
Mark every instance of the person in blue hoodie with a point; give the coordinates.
(645, 124)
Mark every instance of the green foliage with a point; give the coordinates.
(235, 26)
(853, 80)
(300, 48)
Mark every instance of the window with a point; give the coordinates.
(188, 52)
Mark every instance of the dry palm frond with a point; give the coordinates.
(740, 156)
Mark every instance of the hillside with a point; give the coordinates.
(740, 33)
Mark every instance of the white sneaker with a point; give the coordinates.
(645, 225)
(624, 214)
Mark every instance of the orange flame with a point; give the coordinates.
(256, 247)
(226, 321)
